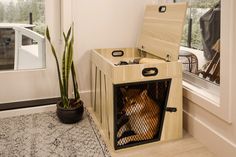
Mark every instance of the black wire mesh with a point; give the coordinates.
(139, 112)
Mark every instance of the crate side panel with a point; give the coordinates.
(110, 110)
(173, 122)
(127, 53)
(133, 73)
(124, 54)
(102, 63)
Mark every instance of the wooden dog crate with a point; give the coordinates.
(137, 92)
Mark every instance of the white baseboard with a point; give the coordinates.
(27, 111)
(86, 97)
(213, 140)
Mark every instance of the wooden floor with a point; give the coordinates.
(186, 147)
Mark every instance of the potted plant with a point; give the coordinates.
(69, 110)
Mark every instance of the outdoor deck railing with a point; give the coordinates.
(29, 56)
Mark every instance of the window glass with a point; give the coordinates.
(200, 53)
(22, 27)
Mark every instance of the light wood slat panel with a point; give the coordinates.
(173, 11)
(93, 82)
(161, 32)
(172, 35)
(98, 95)
(103, 101)
(162, 47)
(173, 122)
(110, 110)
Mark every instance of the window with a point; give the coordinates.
(22, 27)
(200, 52)
(216, 99)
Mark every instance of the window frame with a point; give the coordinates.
(20, 85)
(221, 107)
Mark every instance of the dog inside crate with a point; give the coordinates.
(139, 111)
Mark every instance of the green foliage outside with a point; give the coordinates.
(17, 11)
(196, 9)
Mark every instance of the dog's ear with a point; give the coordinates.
(123, 91)
(144, 93)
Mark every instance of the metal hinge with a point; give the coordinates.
(168, 57)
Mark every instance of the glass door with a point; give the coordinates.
(27, 69)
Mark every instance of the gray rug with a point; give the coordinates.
(42, 135)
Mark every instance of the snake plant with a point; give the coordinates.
(67, 67)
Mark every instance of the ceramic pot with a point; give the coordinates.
(70, 115)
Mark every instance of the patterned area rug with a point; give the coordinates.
(42, 135)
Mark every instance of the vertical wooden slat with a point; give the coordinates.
(173, 128)
(93, 82)
(106, 109)
(103, 101)
(97, 98)
(110, 110)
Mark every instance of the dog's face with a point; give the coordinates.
(133, 100)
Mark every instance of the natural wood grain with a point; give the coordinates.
(93, 83)
(185, 147)
(161, 36)
(104, 63)
(132, 73)
(162, 31)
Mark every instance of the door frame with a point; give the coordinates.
(26, 85)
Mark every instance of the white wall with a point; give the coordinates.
(103, 24)
(98, 24)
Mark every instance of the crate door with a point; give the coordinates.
(139, 110)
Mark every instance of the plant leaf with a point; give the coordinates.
(68, 34)
(75, 84)
(69, 57)
(65, 82)
(58, 67)
(65, 72)
(48, 34)
(73, 73)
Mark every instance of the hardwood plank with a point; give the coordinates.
(200, 152)
(185, 147)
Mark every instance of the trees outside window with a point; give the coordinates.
(200, 53)
(18, 11)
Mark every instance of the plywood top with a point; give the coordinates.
(162, 30)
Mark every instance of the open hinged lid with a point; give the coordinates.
(162, 30)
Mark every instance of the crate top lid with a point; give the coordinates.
(162, 30)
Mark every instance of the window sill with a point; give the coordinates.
(206, 100)
(203, 93)
(200, 96)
